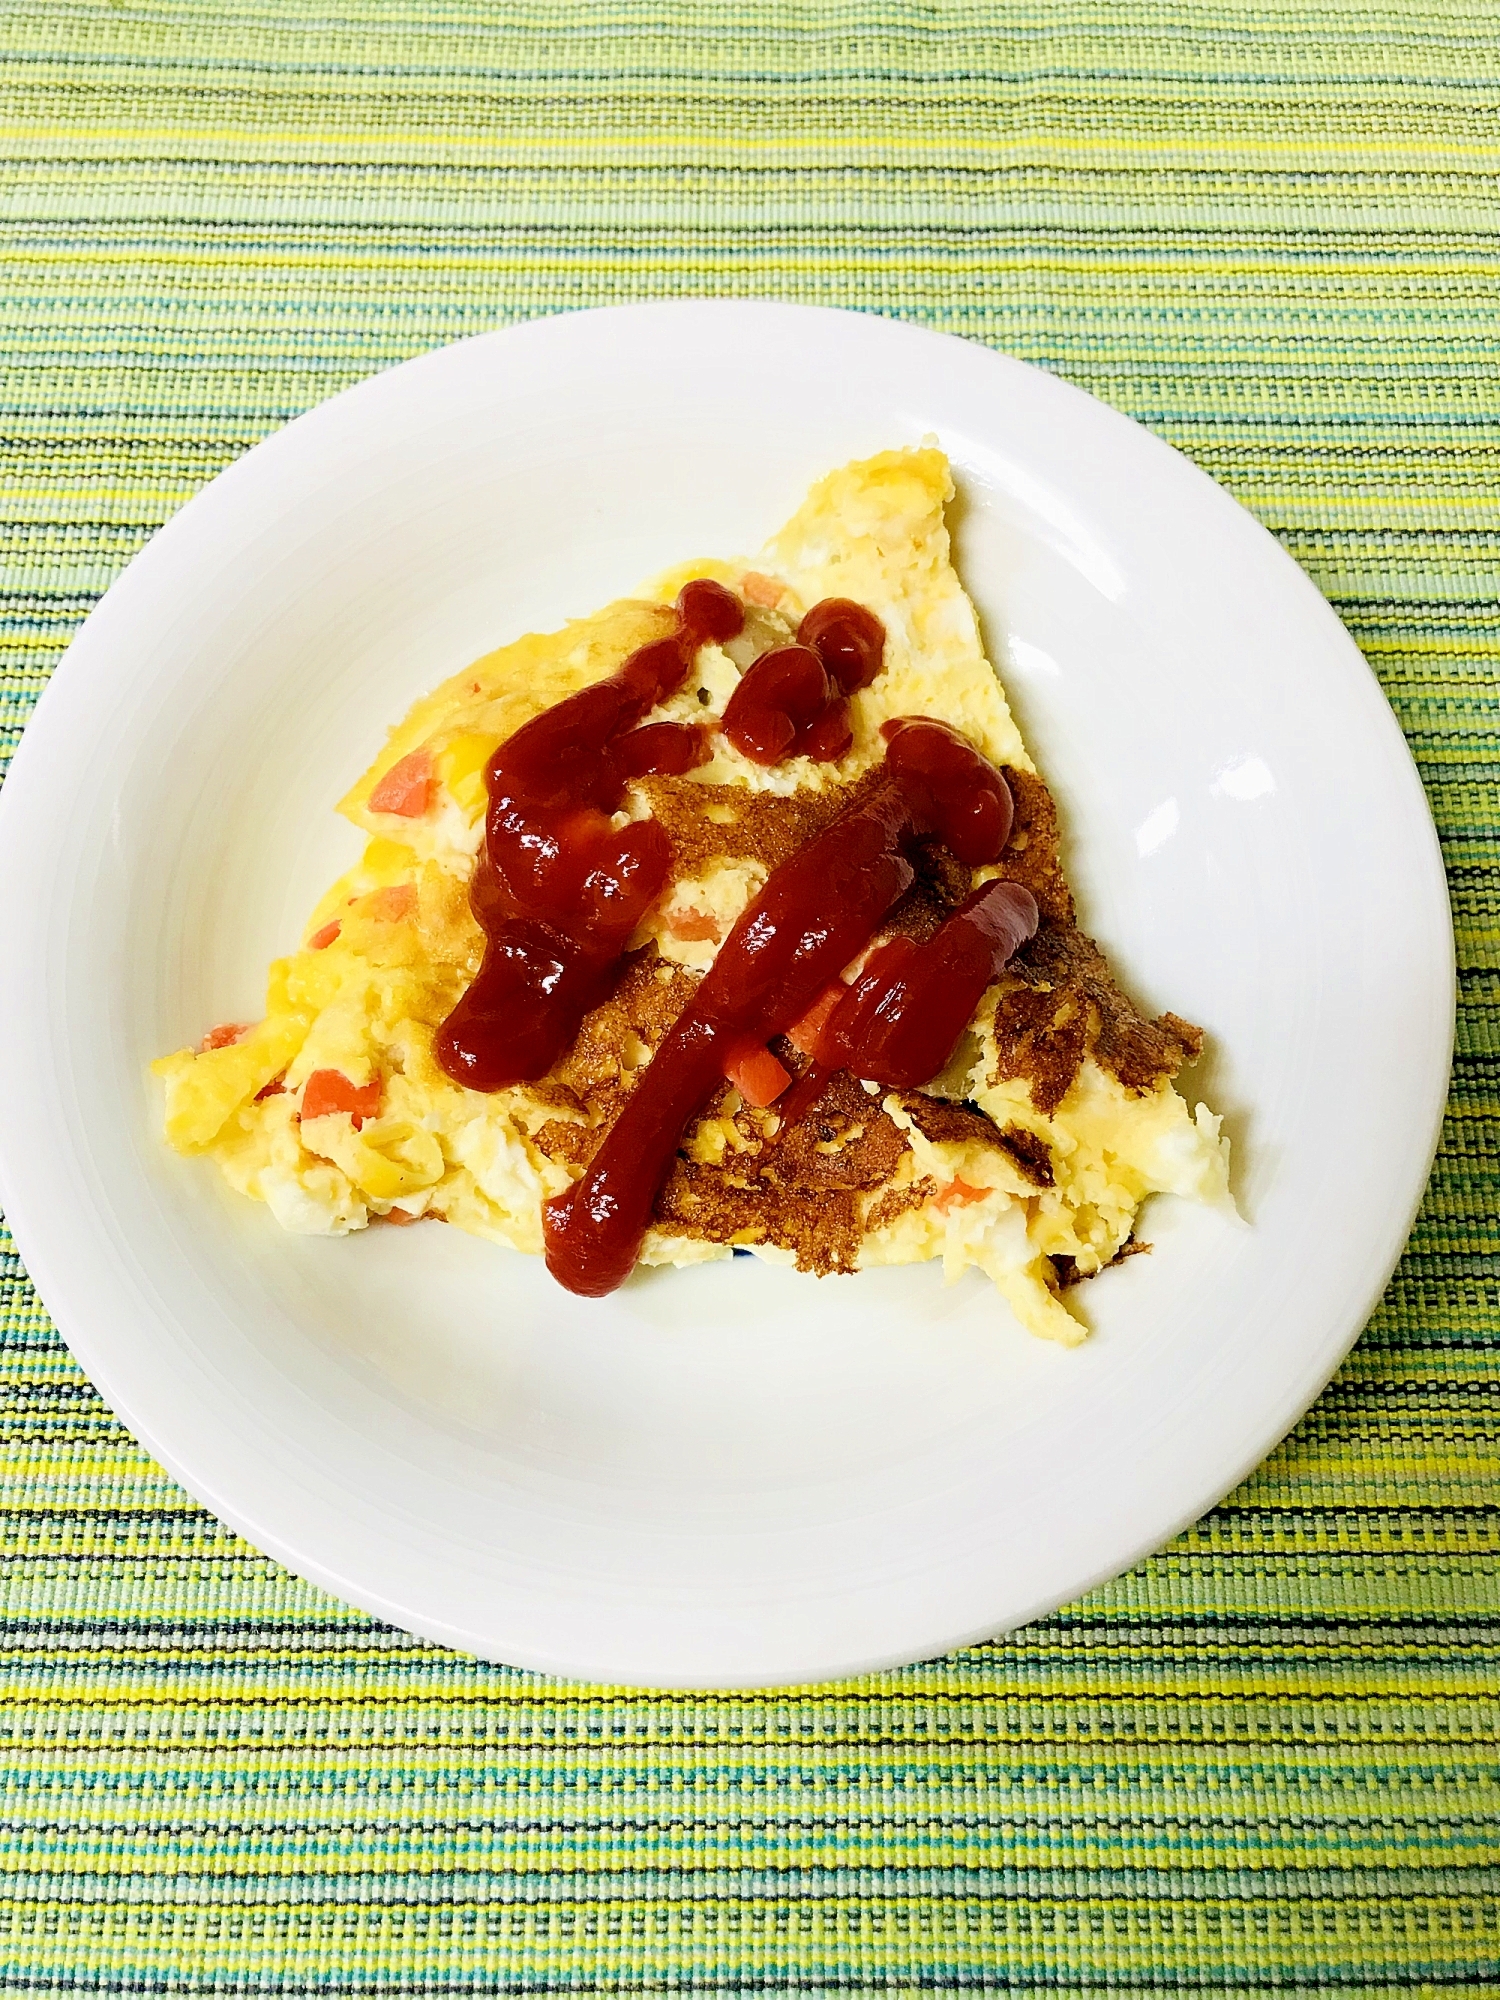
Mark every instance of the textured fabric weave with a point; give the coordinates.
(1263, 1763)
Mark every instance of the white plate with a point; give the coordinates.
(732, 1475)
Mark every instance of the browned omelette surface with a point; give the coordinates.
(816, 1189)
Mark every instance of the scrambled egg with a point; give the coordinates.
(393, 944)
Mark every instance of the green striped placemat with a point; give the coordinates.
(1263, 1763)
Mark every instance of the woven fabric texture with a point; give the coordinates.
(1260, 1764)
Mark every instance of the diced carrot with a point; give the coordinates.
(691, 925)
(762, 589)
(225, 1036)
(757, 1075)
(389, 905)
(803, 1033)
(958, 1194)
(406, 788)
(275, 1088)
(329, 1090)
(321, 940)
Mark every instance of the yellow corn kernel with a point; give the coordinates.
(385, 862)
(461, 769)
(386, 1158)
(204, 1091)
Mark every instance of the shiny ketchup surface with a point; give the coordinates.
(558, 888)
(901, 1020)
(793, 702)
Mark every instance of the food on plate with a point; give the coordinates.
(730, 918)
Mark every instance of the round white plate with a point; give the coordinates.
(732, 1475)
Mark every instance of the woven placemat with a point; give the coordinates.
(1262, 1763)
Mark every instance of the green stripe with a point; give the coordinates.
(1262, 1763)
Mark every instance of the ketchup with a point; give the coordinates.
(779, 701)
(557, 889)
(848, 638)
(813, 915)
(901, 1019)
(793, 701)
(961, 793)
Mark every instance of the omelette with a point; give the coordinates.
(1028, 1155)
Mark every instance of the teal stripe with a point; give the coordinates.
(1261, 1764)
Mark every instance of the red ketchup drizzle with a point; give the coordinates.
(779, 699)
(667, 749)
(793, 701)
(557, 888)
(813, 915)
(848, 639)
(901, 1019)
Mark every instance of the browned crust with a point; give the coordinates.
(551, 1090)
(805, 1193)
(596, 1074)
(1190, 1037)
(708, 823)
(918, 915)
(1030, 1155)
(942, 882)
(1060, 1003)
(813, 1190)
(846, 1141)
(567, 1139)
(1033, 854)
(943, 1122)
(823, 1230)
(947, 1123)
(1068, 1273)
(896, 1202)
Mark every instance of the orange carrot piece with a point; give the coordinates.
(803, 1033)
(225, 1036)
(406, 788)
(958, 1194)
(691, 925)
(321, 940)
(760, 589)
(329, 1090)
(389, 905)
(757, 1076)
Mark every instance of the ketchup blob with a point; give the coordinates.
(970, 810)
(666, 748)
(557, 889)
(792, 701)
(848, 639)
(777, 702)
(831, 735)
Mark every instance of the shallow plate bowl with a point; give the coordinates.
(731, 1475)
